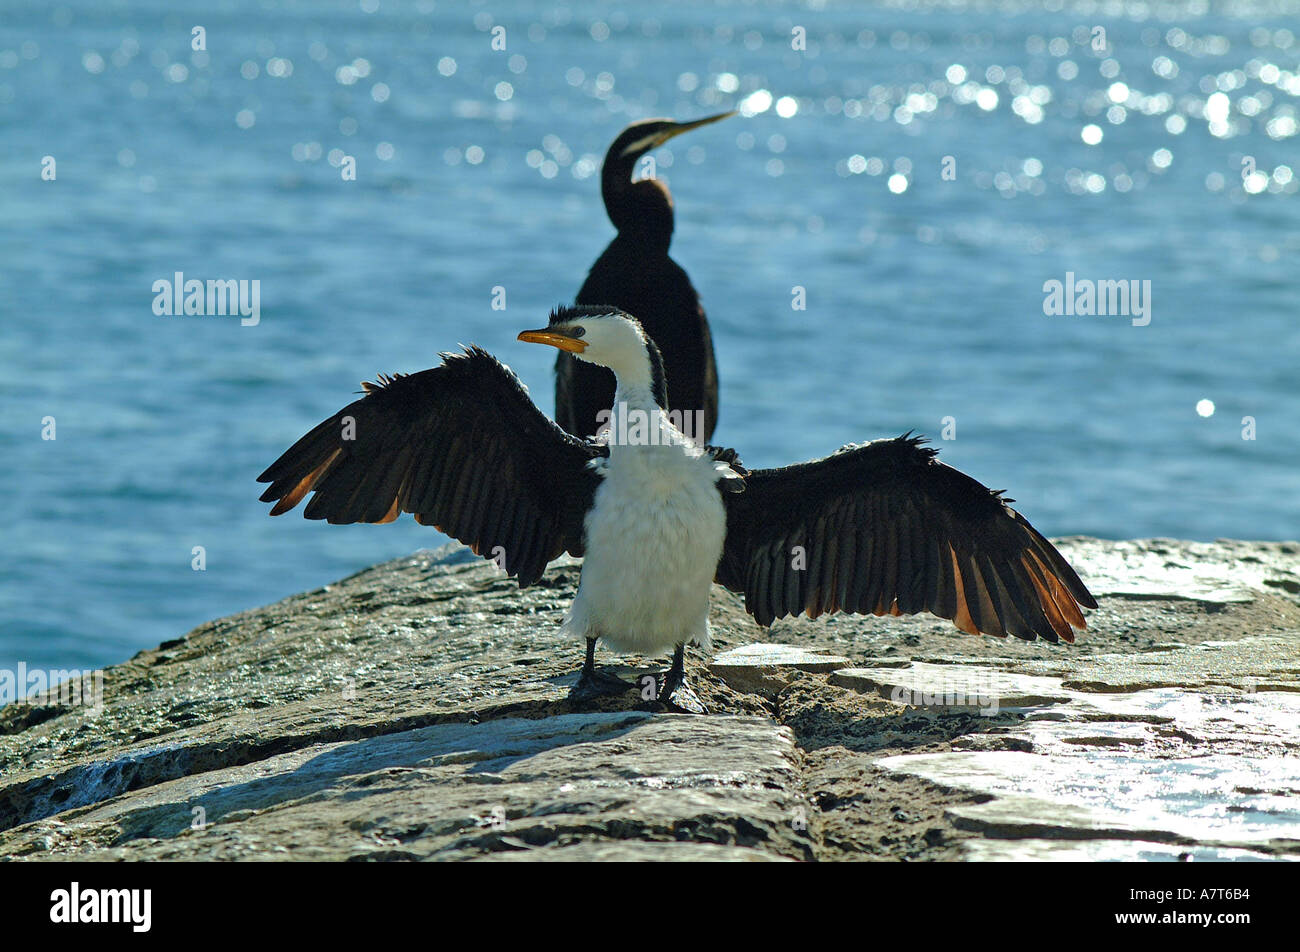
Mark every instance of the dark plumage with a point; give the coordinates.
(885, 528)
(636, 275)
(463, 448)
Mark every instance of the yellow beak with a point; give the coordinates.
(571, 344)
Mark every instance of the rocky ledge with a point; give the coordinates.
(417, 710)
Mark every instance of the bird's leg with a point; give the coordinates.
(592, 683)
(674, 692)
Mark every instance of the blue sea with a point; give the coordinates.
(920, 170)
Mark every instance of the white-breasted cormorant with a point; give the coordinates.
(635, 274)
(880, 527)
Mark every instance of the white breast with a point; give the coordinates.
(653, 540)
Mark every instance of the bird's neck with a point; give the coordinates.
(636, 395)
(640, 396)
(638, 420)
(634, 381)
(641, 211)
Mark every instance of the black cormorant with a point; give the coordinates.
(880, 527)
(636, 275)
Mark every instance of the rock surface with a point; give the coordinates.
(417, 710)
(767, 669)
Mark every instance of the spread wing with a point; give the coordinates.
(464, 448)
(886, 528)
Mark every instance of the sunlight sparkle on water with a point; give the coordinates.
(760, 100)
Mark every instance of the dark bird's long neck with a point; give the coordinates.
(641, 211)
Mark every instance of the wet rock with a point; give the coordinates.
(766, 668)
(1216, 572)
(625, 782)
(1163, 766)
(956, 687)
(1114, 851)
(418, 710)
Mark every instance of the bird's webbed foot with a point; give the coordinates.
(675, 692)
(593, 684)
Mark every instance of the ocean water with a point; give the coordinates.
(1167, 152)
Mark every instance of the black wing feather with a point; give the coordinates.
(888, 529)
(463, 448)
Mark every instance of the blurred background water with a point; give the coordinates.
(1170, 155)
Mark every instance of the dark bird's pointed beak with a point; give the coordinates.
(679, 127)
(669, 130)
(555, 339)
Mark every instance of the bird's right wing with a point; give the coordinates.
(463, 448)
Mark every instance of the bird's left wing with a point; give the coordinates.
(464, 448)
(885, 528)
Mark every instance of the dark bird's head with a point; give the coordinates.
(609, 338)
(643, 206)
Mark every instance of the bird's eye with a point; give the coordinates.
(577, 331)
